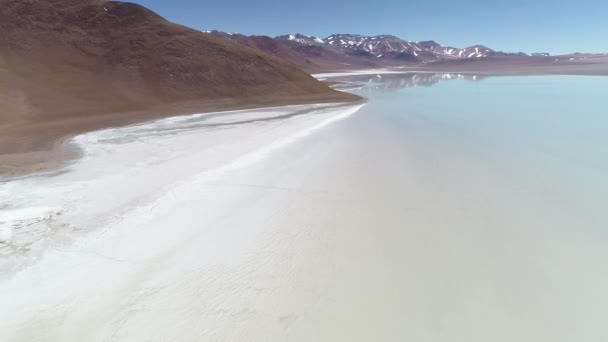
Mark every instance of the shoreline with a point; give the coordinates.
(31, 148)
(28, 148)
(153, 158)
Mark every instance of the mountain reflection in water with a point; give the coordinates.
(392, 82)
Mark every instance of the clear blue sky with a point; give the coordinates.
(556, 26)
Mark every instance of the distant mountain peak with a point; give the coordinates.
(347, 49)
(222, 34)
(389, 46)
(301, 38)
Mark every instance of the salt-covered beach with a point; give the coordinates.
(443, 213)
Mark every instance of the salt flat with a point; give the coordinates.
(466, 211)
(127, 167)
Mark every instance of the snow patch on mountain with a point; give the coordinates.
(388, 45)
(301, 39)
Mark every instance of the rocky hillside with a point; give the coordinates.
(68, 58)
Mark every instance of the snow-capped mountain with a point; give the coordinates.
(300, 39)
(392, 46)
(476, 51)
(347, 51)
(376, 46)
(383, 47)
(226, 35)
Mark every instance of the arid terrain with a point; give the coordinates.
(69, 66)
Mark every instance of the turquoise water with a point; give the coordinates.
(546, 134)
(485, 215)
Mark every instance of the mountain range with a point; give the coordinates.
(354, 50)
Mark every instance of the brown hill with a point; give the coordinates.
(67, 59)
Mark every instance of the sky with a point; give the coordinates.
(554, 26)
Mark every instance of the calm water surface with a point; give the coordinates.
(478, 211)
